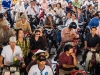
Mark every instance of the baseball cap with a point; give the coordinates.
(12, 39)
(41, 58)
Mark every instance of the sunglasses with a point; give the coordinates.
(37, 34)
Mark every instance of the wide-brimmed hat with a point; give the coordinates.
(40, 51)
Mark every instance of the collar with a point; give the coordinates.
(41, 70)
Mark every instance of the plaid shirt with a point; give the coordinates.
(24, 45)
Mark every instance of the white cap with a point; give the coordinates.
(5, 23)
(12, 39)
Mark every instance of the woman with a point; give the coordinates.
(36, 41)
(68, 16)
(23, 43)
(58, 10)
(42, 35)
(49, 21)
(44, 4)
(79, 16)
(72, 19)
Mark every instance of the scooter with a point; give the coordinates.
(91, 61)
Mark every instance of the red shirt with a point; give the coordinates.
(64, 59)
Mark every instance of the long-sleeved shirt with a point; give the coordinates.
(19, 8)
(26, 26)
(30, 11)
(36, 44)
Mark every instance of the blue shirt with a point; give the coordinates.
(94, 22)
(6, 4)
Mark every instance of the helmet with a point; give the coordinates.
(73, 25)
(49, 15)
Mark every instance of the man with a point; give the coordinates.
(5, 33)
(6, 3)
(35, 60)
(69, 61)
(95, 21)
(40, 68)
(9, 52)
(76, 3)
(2, 10)
(91, 41)
(24, 24)
(32, 9)
(19, 8)
(67, 35)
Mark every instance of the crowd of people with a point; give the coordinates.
(17, 35)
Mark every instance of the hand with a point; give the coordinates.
(1, 65)
(28, 51)
(85, 47)
(73, 55)
(64, 65)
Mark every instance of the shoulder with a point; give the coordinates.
(34, 66)
(17, 47)
(6, 47)
(47, 67)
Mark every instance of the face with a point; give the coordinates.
(37, 34)
(71, 50)
(20, 33)
(0, 6)
(23, 19)
(79, 10)
(73, 16)
(68, 15)
(93, 31)
(58, 5)
(5, 28)
(12, 43)
(42, 63)
(50, 18)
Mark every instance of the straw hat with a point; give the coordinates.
(40, 51)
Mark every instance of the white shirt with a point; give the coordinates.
(36, 71)
(30, 11)
(20, 8)
(2, 10)
(88, 3)
(70, 20)
(8, 55)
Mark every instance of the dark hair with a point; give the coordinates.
(97, 13)
(17, 32)
(37, 30)
(73, 13)
(59, 4)
(75, 7)
(68, 12)
(89, 5)
(1, 15)
(67, 47)
(94, 27)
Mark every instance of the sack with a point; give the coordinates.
(78, 72)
